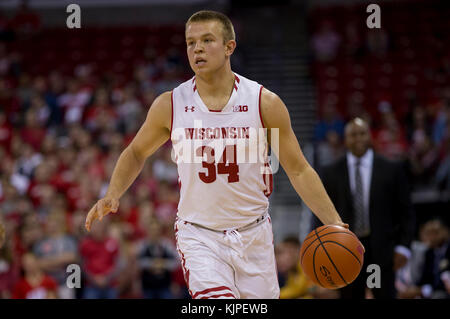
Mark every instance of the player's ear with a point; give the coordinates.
(230, 45)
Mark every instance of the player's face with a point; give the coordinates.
(357, 138)
(206, 49)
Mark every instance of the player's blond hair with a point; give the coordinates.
(208, 15)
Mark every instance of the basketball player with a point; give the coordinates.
(223, 230)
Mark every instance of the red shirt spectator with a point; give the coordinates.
(99, 253)
(35, 284)
(26, 290)
(5, 132)
(33, 133)
(26, 20)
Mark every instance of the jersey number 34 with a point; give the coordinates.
(226, 165)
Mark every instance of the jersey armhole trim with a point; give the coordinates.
(259, 107)
(171, 120)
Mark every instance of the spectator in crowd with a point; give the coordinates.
(390, 140)
(76, 223)
(378, 42)
(330, 150)
(442, 178)
(26, 22)
(418, 124)
(434, 281)
(130, 111)
(441, 125)
(73, 102)
(9, 265)
(6, 132)
(99, 256)
(326, 42)
(30, 232)
(56, 251)
(34, 284)
(353, 42)
(2, 234)
(34, 132)
(408, 276)
(424, 160)
(294, 284)
(158, 258)
(128, 283)
(330, 121)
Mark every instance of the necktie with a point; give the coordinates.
(361, 218)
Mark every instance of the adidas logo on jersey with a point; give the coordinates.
(189, 108)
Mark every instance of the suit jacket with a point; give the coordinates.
(428, 273)
(392, 219)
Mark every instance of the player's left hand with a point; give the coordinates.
(341, 224)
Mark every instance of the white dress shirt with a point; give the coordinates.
(366, 174)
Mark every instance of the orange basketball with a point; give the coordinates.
(332, 256)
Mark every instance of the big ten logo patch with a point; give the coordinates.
(240, 108)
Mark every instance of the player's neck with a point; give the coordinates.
(217, 84)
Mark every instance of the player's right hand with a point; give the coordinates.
(102, 208)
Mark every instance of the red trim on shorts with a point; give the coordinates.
(203, 292)
(237, 79)
(217, 296)
(183, 262)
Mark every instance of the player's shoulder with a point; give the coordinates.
(270, 103)
(268, 97)
(162, 102)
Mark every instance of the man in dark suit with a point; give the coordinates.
(372, 196)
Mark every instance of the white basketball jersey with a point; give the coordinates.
(224, 176)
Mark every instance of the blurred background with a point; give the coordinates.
(72, 99)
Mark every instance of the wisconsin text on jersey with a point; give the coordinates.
(239, 144)
(216, 132)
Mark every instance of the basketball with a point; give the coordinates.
(332, 256)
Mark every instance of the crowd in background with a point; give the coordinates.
(396, 78)
(60, 136)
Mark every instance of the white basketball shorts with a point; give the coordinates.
(228, 264)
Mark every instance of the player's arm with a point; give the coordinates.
(153, 133)
(302, 176)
